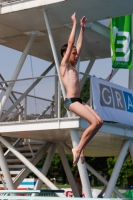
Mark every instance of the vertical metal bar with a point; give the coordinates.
(117, 169)
(53, 49)
(88, 69)
(25, 108)
(68, 171)
(5, 171)
(59, 99)
(90, 94)
(20, 116)
(16, 72)
(56, 96)
(27, 140)
(93, 171)
(82, 168)
(73, 133)
(25, 93)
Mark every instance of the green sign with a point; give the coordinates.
(121, 42)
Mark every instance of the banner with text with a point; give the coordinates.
(121, 42)
(112, 102)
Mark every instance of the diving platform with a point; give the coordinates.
(107, 142)
(39, 28)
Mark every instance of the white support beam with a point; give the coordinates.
(46, 166)
(114, 72)
(81, 167)
(105, 182)
(88, 69)
(117, 169)
(5, 170)
(25, 93)
(56, 96)
(24, 172)
(30, 166)
(99, 28)
(68, 170)
(16, 72)
(53, 50)
(93, 171)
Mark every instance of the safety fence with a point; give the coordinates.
(35, 98)
(31, 99)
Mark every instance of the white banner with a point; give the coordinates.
(112, 102)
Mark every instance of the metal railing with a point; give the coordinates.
(30, 101)
(33, 101)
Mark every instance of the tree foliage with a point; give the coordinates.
(126, 173)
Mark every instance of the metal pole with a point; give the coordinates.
(68, 171)
(117, 169)
(84, 178)
(53, 50)
(45, 167)
(82, 168)
(25, 108)
(5, 170)
(16, 72)
(56, 96)
(88, 69)
(59, 99)
(29, 165)
(20, 116)
(25, 93)
(105, 182)
(93, 171)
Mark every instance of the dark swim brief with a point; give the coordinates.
(68, 101)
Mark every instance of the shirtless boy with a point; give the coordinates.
(70, 79)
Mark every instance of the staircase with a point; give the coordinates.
(32, 150)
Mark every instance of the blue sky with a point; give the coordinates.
(45, 89)
(10, 58)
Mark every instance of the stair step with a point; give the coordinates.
(13, 161)
(12, 172)
(24, 154)
(16, 166)
(27, 148)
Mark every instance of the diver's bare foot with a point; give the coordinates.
(76, 155)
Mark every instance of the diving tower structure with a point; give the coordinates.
(39, 28)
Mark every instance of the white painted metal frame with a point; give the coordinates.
(88, 69)
(93, 171)
(5, 170)
(68, 170)
(25, 93)
(17, 71)
(46, 166)
(117, 169)
(30, 165)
